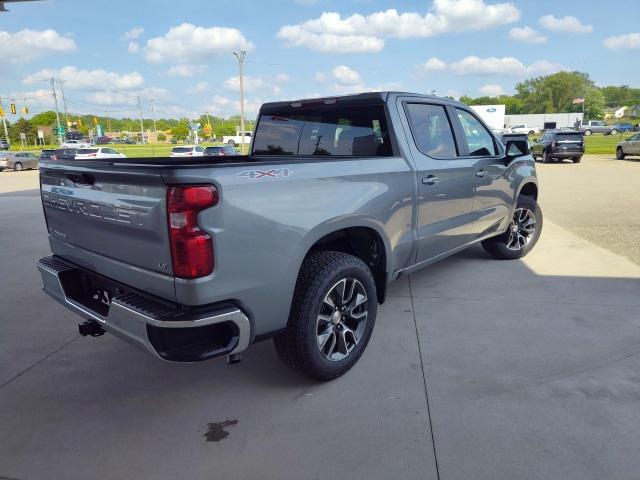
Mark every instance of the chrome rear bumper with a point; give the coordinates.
(152, 324)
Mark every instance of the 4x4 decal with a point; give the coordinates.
(274, 173)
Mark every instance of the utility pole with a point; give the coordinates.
(4, 122)
(240, 56)
(55, 100)
(153, 113)
(141, 124)
(64, 103)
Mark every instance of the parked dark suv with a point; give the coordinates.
(558, 145)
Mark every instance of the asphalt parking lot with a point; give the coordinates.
(477, 369)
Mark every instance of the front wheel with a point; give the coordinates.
(620, 153)
(614, 132)
(232, 143)
(18, 167)
(521, 235)
(332, 316)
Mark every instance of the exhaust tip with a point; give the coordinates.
(234, 358)
(90, 327)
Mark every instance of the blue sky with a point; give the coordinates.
(179, 54)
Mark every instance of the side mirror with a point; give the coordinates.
(516, 148)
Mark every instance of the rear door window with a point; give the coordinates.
(431, 130)
(323, 130)
(479, 140)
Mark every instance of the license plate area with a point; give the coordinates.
(89, 290)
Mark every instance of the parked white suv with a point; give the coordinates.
(98, 152)
(188, 151)
(522, 128)
(75, 144)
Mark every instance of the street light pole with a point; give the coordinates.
(141, 124)
(64, 102)
(153, 113)
(240, 56)
(55, 100)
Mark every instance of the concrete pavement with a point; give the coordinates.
(529, 369)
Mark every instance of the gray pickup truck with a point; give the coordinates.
(197, 258)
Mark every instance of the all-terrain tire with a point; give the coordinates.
(499, 246)
(298, 346)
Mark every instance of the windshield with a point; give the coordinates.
(182, 150)
(87, 151)
(325, 130)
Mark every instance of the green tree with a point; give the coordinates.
(22, 126)
(553, 93)
(161, 137)
(594, 103)
(181, 131)
(46, 119)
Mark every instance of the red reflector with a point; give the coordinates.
(191, 248)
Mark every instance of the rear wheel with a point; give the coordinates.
(588, 132)
(232, 143)
(545, 157)
(17, 167)
(614, 132)
(521, 235)
(577, 159)
(332, 316)
(620, 153)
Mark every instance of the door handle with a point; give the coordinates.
(430, 180)
(481, 173)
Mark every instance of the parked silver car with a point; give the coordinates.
(18, 161)
(630, 146)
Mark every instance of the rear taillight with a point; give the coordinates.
(191, 248)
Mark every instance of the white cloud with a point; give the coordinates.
(186, 70)
(567, 24)
(346, 76)
(198, 88)
(432, 65)
(26, 45)
(491, 90)
(282, 78)
(509, 66)
(187, 43)
(250, 84)
(527, 35)
(366, 33)
(96, 78)
(134, 33)
(133, 47)
(629, 41)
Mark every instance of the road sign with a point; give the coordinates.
(40, 134)
(60, 131)
(195, 126)
(23, 136)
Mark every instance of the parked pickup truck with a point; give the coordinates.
(197, 258)
(237, 139)
(598, 126)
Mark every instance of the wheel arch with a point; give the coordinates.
(363, 239)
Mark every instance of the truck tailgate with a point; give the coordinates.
(110, 219)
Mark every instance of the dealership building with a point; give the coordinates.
(496, 118)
